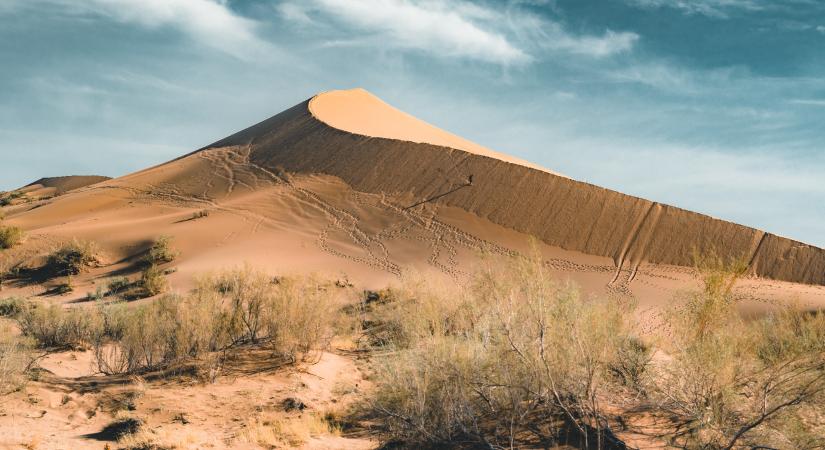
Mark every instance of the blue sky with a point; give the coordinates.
(712, 105)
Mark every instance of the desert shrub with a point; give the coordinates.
(161, 251)
(118, 285)
(233, 309)
(52, 325)
(200, 214)
(73, 258)
(732, 382)
(9, 197)
(11, 306)
(632, 362)
(292, 315)
(15, 358)
(153, 281)
(10, 236)
(515, 347)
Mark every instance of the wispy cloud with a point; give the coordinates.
(454, 28)
(808, 101)
(207, 22)
(711, 8)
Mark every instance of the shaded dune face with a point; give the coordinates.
(559, 211)
(60, 185)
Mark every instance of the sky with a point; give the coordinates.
(716, 106)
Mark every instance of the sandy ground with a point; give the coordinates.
(72, 408)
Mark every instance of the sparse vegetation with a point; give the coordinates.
(236, 308)
(275, 430)
(732, 382)
(153, 281)
(10, 236)
(9, 197)
(15, 359)
(515, 348)
(200, 214)
(161, 251)
(117, 285)
(53, 326)
(73, 258)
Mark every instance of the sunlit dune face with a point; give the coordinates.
(357, 111)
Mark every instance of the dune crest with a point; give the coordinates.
(358, 111)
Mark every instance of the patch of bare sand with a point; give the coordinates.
(252, 406)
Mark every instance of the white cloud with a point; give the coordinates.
(454, 28)
(808, 101)
(208, 22)
(711, 8)
(821, 29)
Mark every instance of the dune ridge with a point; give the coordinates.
(61, 185)
(562, 212)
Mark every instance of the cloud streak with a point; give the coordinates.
(711, 8)
(210, 23)
(454, 28)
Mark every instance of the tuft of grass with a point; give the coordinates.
(10, 236)
(274, 430)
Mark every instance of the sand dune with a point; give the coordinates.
(48, 187)
(346, 185)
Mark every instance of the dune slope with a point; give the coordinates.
(328, 134)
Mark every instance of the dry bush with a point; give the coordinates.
(10, 236)
(153, 281)
(11, 306)
(15, 359)
(161, 251)
(8, 198)
(117, 285)
(236, 308)
(512, 351)
(731, 382)
(73, 258)
(292, 315)
(52, 325)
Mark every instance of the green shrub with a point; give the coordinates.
(72, 258)
(10, 236)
